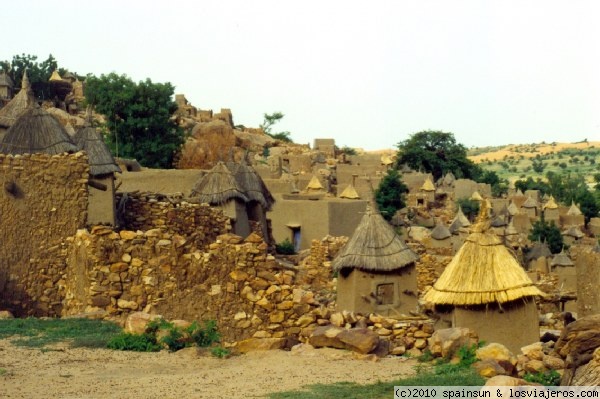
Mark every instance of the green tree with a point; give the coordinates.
(548, 233)
(38, 73)
(470, 207)
(139, 119)
(587, 204)
(538, 166)
(499, 186)
(267, 127)
(390, 194)
(438, 153)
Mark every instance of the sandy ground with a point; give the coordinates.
(102, 373)
(541, 149)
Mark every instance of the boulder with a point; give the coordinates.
(361, 340)
(447, 341)
(326, 336)
(5, 314)
(494, 351)
(489, 368)
(586, 375)
(578, 345)
(506, 381)
(260, 344)
(136, 322)
(534, 351)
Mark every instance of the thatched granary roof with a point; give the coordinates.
(512, 209)
(218, 186)
(440, 232)
(530, 203)
(251, 183)
(374, 247)
(100, 159)
(461, 218)
(539, 250)
(18, 105)
(314, 184)
(510, 230)
(476, 196)
(36, 131)
(499, 221)
(427, 185)
(562, 259)
(350, 193)
(573, 231)
(574, 210)
(5, 80)
(551, 204)
(483, 271)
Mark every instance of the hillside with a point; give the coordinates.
(515, 161)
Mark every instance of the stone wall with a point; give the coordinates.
(43, 201)
(200, 224)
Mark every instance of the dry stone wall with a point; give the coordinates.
(43, 200)
(199, 223)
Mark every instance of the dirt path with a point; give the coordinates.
(102, 373)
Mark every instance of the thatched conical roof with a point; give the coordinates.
(449, 179)
(36, 131)
(512, 209)
(551, 204)
(100, 159)
(499, 221)
(574, 210)
(314, 184)
(218, 186)
(482, 271)
(539, 250)
(573, 231)
(55, 76)
(251, 183)
(476, 196)
(562, 259)
(530, 203)
(5, 80)
(510, 230)
(350, 193)
(461, 218)
(374, 247)
(440, 232)
(427, 185)
(18, 105)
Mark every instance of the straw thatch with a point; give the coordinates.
(314, 184)
(461, 218)
(483, 271)
(530, 203)
(476, 196)
(519, 193)
(18, 105)
(511, 230)
(218, 186)
(374, 247)
(512, 209)
(573, 231)
(449, 179)
(440, 232)
(100, 159)
(562, 259)
(428, 185)
(551, 204)
(36, 131)
(350, 193)
(499, 221)
(573, 210)
(251, 183)
(5, 80)
(539, 250)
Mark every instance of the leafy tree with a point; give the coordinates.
(499, 186)
(267, 125)
(138, 118)
(587, 204)
(538, 166)
(470, 207)
(390, 194)
(531, 184)
(438, 153)
(38, 73)
(549, 233)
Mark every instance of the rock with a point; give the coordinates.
(136, 322)
(446, 342)
(414, 352)
(534, 366)
(124, 304)
(260, 344)
(5, 314)
(553, 363)
(489, 368)
(506, 381)
(182, 324)
(578, 345)
(371, 357)
(127, 235)
(494, 351)
(360, 340)
(586, 375)
(382, 349)
(326, 336)
(421, 334)
(337, 319)
(534, 351)
(398, 350)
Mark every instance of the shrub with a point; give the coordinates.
(548, 378)
(285, 247)
(220, 352)
(205, 336)
(134, 342)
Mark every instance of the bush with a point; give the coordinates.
(205, 336)
(548, 378)
(285, 247)
(220, 352)
(134, 342)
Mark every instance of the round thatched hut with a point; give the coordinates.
(36, 131)
(376, 270)
(486, 289)
(17, 106)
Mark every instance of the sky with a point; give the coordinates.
(368, 74)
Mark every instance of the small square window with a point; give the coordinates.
(385, 294)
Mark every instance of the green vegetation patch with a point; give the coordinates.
(37, 333)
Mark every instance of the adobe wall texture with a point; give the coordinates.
(43, 200)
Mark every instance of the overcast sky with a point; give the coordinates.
(368, 74)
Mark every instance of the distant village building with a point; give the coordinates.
(377, 272)
(6, 87)
(484, 288)
(101, 197)
(17, 106)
